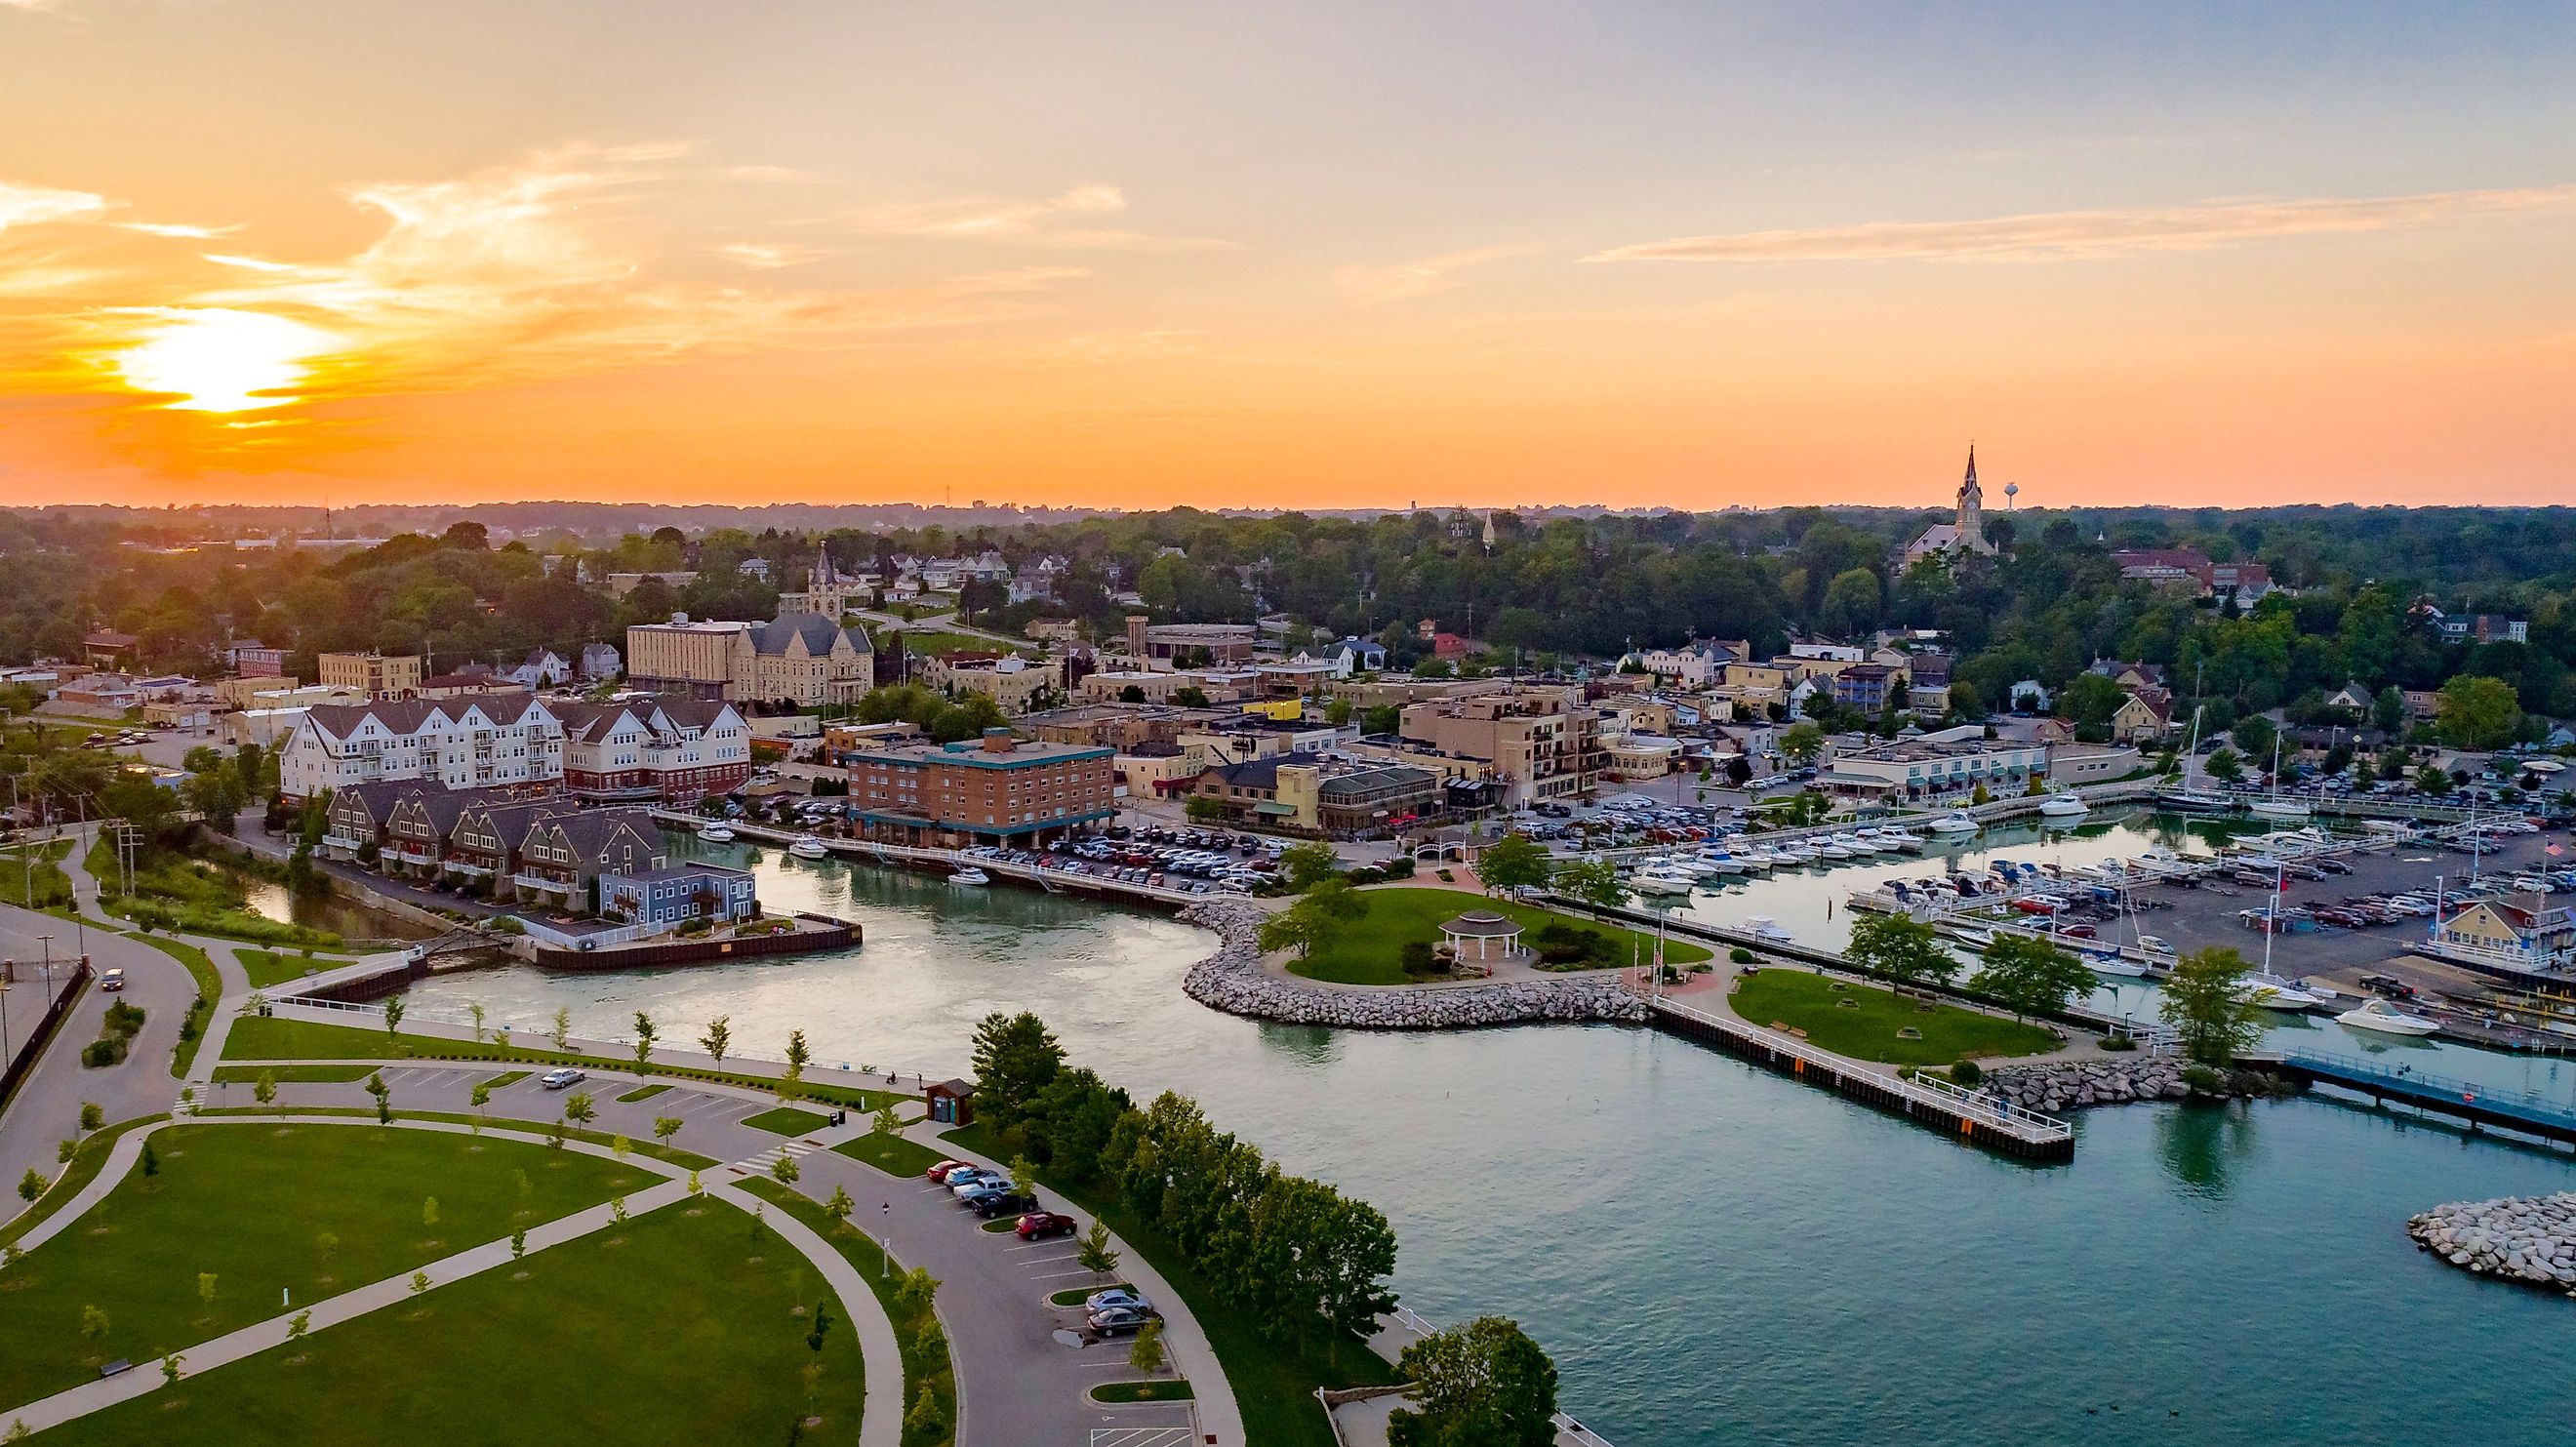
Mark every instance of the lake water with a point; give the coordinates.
(1715, 1254)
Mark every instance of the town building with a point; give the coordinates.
(798, 660)
(1012, 682)
(508, 740)
(678, 894)
(1542, 743)
(1312, 796)
(250, 658)
(542, 668)
(2497, 933)
(599, 662)
(1696, 664)
(1186, 645)
(563, 855)
(991, 790)
(674, 749)
(108, 648)
(828, 592)
(1965, 534)
(377, 675)
(1944, 767)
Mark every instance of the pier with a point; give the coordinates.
(2521, 1111)
(948, 861)
(1979, 1120)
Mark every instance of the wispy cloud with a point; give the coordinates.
(178, 230)
(36, 205)
(1040, 222)
(1378, 285)
(769, 255)
(2085, 235)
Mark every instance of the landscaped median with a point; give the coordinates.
(268, 1037)
(1370, 949)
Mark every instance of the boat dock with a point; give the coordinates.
(1979, 1120)
(2520, 1111)
(949, 861)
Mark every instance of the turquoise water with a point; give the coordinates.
(1719, 1255)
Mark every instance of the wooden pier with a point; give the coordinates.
(1978, 1120)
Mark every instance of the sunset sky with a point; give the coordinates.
(1312, 254)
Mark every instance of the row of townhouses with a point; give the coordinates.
(673, 749)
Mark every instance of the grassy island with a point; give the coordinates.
(1370, 949)
(1866, 1028)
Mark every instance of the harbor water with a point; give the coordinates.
(1715, 1254)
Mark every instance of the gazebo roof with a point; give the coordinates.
(1480, 924)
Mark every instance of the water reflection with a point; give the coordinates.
(2200, 1146)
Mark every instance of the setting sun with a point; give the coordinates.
(220, 360)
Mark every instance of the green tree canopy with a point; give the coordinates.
(1512, 862)
(1894, 947)
(2210, 1005)
(1485, 1384)
(2031, 975)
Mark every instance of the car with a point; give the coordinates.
(940, 1171)
(1003, 1203)
(562, 1079)
(1119, 1320)
(111, 979)
(973, 1179)
(1117, 1297)
(1038, 1225)
(961, 1175)
(974, 1194)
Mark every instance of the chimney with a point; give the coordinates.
(1136, 636)
(999, 741)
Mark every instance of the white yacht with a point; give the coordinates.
(1662, 879)
(1836, 847)
(2063, 806)
(970, 875)
(1905, 839)
(717, 834)
(1955, 822)
(808, 847)
(1717, 862)
(1763, 927)
(2275, 993)
(1796, 852)
(2387, 1019)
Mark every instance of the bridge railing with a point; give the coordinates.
(2468, 1091)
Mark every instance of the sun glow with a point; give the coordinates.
(216, 359)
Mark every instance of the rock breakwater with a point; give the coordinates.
(2077, 1084)
(1232, 980)
(2530, 1239)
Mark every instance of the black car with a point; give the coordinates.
(1004, 1204)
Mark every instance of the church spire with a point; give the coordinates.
(1972, 465)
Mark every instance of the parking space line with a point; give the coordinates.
(1053, 1275)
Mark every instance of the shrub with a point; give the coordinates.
(123, 1019)
(2204, 1079)
(2119, 1042)
(1967, 1072)
(104, 1051)
(1740, 955)
(1417, 959)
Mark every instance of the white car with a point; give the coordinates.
(563, 1079)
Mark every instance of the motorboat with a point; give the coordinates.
(1763, 927)
(1973, 937)
(2387, 1019)
(1955, 822)
(1796, 853)
(970, 875)
(2063, 806)
(1717, 861)
(808, 847)
(2105, 962)
(1835, 848)
(1662, 879)
(717, 834)
(2275, 993)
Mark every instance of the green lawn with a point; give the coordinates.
(643, 1092)
(269, 1037)
(51, 886)
(275, 967)
(83, 1169)
(248, 1203)
(891, 1154)
(1867, 1030)
(787, 1120)
(194, 896)
(1367, 950)
(210, 988)
(676, 1327)
(935, 1371)
(1274, 1383)
(1165, 1390)
(285, 1074)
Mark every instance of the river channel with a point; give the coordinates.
(1719, 1255)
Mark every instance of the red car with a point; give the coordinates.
(940, 1171)
(1037, 1224)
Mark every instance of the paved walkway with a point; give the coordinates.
(882, 1359)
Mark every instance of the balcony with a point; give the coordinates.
(408, 854)
(542, 882)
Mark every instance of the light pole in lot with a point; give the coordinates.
(48, 942)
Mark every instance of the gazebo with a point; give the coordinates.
(1492, 935)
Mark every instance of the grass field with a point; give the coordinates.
(50, 887)
(268, 968)
(292, 1074)
(787, 1120)
(248, 1203)
(265, 1037)
(935, 1371)
(67, 1183)
(676, 1327)
(643, 1092)
(1274, 1383)
(1866, 1030)
(1368, 949)
(891, 1154)
(210, 988)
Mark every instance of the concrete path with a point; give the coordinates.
(46, 1108)
(882, 1359)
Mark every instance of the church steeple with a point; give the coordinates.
(1972, 502)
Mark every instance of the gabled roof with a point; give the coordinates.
(820, 633)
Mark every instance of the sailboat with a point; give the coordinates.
(2270, 990)
(2272, 805)
(2186, 799)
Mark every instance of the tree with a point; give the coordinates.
(475, 1009)
(1314, 920)
(840, 1206)
(578, 1109)
(170, 1368)
(298, 1325)
(2432, 780)
(429, 1211)
(1593, 881)
(1802, 741)
(561, 1035)
(666, 1126)
(718, 1039)
(798, 1057)
(393, 1017)
(2473, 712)
(644, 1036)
(1094, 1253)
(1015, 1057)
(264, 1090)
(914, 1294)
(206, 1289)
(785, 1170)
(1485, 1384)
(2209, 1004)
(1894, 947)
(924, 1422)
(2388, 710)
(93, 1327)
(480, 1096)
(1146, 1355)
(2224, 766)
(2031, 975)
(885, 1122)
(1384, 718)
(2090, 699)
(151, 1160)
(384, 1095)
(1306, 865)
(1513, 862)
(2254, 736)
(1203, 809)
(92, 1116)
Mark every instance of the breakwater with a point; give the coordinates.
(1232, 979)
(2078, 1084)
(2530, 1239)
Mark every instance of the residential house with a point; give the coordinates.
(563, 854)
(678, 894)
(542, 668)
(108, 648)
(599, 662)
(1869, 688)
(2145, 716)
(673, 748)
(506, 740)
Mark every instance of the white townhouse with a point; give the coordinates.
(471, 741)
(672, 748)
